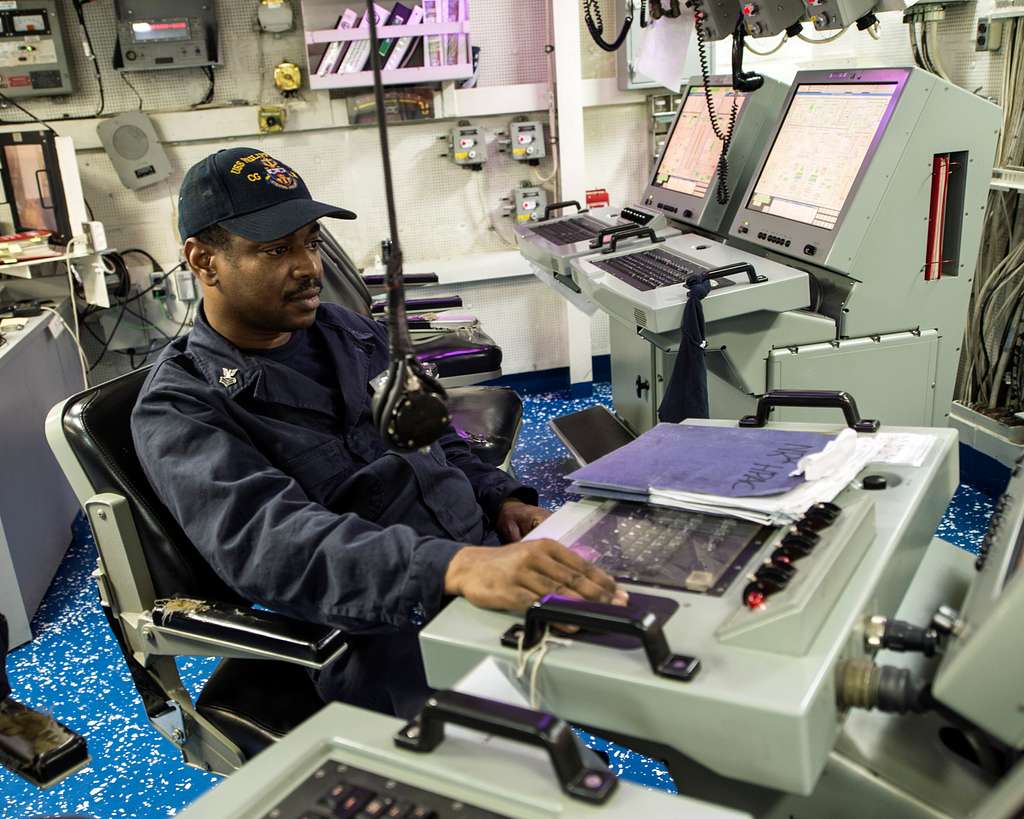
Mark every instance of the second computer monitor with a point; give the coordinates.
(818, 160)
(684, 181)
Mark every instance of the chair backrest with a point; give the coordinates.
(342, 283)
(97, 427)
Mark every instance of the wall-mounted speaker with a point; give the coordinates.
(133, 146)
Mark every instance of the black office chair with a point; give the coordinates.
(162, 599)
(487, 418)
(460, 351)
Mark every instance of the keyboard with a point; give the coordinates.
(569, 231)
(652, 269)
(670, 548)
(339, 791)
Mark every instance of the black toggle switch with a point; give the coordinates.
(800, 543)
(808, 534)
(825, 509)
(786, 555)
(775, 577)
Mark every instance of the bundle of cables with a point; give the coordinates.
(128, 307)
(992, 365)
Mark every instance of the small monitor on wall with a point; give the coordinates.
(42, 189)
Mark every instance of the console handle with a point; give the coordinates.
(604, 233)
(606, 619)
(559, 206)
(735, 269)
(838, 399)
(524, 725)
(631, 233)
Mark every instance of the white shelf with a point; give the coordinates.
(23, 270)
(397, 76)
(318, 12)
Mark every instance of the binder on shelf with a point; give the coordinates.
(336, 51)
(358, 54)
(400, 15)
(433, 45)
(455, 11)
(404, 47)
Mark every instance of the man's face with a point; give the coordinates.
(269, 286)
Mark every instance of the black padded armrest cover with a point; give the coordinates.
(251, 628)
(37, 747)
(409, 279)
(426, 303)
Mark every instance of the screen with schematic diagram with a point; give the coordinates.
(690, 158)
(823, 143)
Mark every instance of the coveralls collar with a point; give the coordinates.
(226, 367)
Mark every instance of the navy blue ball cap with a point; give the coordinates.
(248, 192)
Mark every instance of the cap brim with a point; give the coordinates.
(280, 220)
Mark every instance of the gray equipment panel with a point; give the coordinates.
(497, 775)
(764, 715)
(163, 34)
(719, 17)
(982, 673)
(860, 366)
(684, 182)
(660, 310)
(771, 17)
(33, 60)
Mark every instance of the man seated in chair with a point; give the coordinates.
(255, 430)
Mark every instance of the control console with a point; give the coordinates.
(726, 653)
(646, 284)
(347, 763)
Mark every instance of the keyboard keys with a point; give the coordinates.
(650, 269)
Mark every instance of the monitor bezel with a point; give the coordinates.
(749, 223)
(675, 204)
(51, 163)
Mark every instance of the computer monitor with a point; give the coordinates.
(818, 158)
(684, 180)
(42, 188)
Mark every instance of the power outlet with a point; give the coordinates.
(989, 34)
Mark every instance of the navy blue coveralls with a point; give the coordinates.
(289, 492)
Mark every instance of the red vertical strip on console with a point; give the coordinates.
(933, 260)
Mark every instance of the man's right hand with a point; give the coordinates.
(512, 577)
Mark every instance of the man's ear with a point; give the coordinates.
(200, 258)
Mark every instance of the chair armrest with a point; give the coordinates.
(409, 279)
(427, 303)
(249, 632)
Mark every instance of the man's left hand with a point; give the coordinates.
(516, 519)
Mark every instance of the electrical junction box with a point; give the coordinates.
(529, 203)
(33, 61)
(631, 79)
(527, 140)
(467, 146)
(158, 34)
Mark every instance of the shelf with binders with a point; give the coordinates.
(416, 72)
